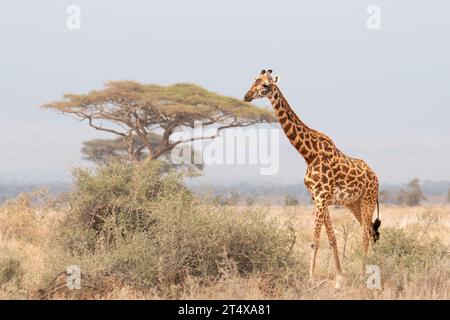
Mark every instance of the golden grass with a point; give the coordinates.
(29, 260)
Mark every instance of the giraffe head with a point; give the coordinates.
(262, 86)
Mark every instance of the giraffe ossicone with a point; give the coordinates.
(332, 177)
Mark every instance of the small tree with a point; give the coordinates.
(413, 195)
(104, 150)
(290, 201)
(144, 117)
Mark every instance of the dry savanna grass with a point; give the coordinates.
(172, 246)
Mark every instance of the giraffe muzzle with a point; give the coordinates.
(248, 97)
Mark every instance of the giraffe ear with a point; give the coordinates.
(276, 79)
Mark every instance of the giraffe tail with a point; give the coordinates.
(376, 225)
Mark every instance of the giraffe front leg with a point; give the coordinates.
(315, 244)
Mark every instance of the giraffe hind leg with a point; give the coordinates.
(333, 243)
(367, 209)
(355, 208)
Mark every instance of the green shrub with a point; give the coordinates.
(17, 219)
(403, 256)
(120, 199)
(10, 270)
(11, 274)
(403, 249)
(144, 227)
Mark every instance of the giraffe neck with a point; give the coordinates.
(303, 138)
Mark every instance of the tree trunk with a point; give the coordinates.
(130, 149)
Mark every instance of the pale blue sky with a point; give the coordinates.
(382, 95)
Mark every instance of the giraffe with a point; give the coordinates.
(332, 178)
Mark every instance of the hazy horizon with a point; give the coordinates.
(381, 95)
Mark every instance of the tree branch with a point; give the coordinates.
(234, 125)
(105, 129)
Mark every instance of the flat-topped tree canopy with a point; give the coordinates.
(130, 109)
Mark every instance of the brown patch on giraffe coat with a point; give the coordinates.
(327, 147)
(293, 134)
(308, 144)
(340, 175)
(314, 145)
(325, 167)
(288, 127)
(289, 115)
(353, 184)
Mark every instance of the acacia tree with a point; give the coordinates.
(144, 116)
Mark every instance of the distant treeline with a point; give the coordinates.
(412, 193)
(13, 189)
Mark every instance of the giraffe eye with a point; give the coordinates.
(265, 85)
